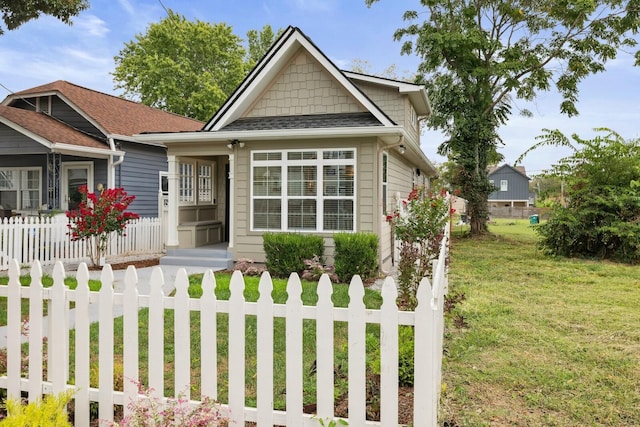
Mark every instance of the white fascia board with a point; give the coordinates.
(275, 134)
(60, 147)
(133, 139)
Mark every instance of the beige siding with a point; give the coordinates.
(249, 243)
(400, 179)
(388, 99)
(304, 87)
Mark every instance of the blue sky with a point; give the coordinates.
(45, 50)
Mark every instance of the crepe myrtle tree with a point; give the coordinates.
(97, 217)
(478, 56)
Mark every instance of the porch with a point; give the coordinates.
(216, 256)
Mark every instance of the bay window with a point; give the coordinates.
(303, 190)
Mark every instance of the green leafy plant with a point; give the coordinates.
(356, 253)
(51, 411)
(97, 216)
(314, 269)
(285, 252)
(248, 267)
(419, 226)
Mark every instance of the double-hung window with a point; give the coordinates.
(303, 190)
(504, 185)
(20, 188)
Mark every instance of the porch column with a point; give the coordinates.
(172, 213)
(232, 220)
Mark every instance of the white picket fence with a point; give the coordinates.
(46, 239)
(427, 321)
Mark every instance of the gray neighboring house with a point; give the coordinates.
(59, 136)
(300, 146)
(512, 187)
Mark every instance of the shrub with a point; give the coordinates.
(150, 411)
(48, 412)
(314, 269)
(356, 253)
(405, 355)
(285, 252)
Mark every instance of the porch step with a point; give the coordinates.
(209, 256)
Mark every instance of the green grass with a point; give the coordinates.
(340, 298)
(538, 340)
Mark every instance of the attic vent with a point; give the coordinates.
(43, 104)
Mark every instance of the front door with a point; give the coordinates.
(75, 175)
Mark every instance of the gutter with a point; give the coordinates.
(112, 165)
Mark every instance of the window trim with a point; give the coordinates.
(194, 178)
(385, 182)
(19, 190)
(504, 185)
(319, 163)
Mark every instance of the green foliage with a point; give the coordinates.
(477, 57)
(17, 12)
(285, 252)
(355, 253)
(50, 412)
(602, 214)
(406, 355)
(186, 67)
(258, 43)
(420, 228)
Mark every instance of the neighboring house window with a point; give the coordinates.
(303, 190)
(190, 184)
(504, 185)
(385, 171)
(20, 188)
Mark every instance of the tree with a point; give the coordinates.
(602, 185)
(186, 67)
(18, 12)
(258, 43)
(478, 55)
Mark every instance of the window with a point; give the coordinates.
(310, 190)
(385, 163)
(504, 185)
(20, 188)
(413, 117)
(196, 189)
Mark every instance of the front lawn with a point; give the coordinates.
(536, 341)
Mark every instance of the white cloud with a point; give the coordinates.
(92, 25)
(127, 6)
(314, 5)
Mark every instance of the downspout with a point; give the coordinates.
(398, 143)
(111, 171)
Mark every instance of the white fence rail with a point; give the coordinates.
(46, 239)
(427, 321)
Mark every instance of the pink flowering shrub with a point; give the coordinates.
(419, 226)
(150, 412)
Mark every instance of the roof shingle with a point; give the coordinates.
(310, 121)
(116, 115)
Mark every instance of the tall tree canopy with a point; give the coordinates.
(17, 12)
(478, 55)
(187, 67)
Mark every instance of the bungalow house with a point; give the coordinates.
(511, 187)
(59, 136)
(300, 146)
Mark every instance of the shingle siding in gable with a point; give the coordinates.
(388, 99)
(303, 87)
(139, 176)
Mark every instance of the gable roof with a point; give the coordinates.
(111, 114)
(48, 131)
(270, 65)
(518, 169)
